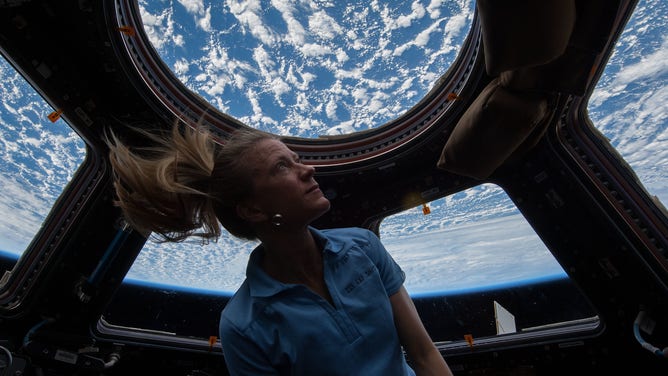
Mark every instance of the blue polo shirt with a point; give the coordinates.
(273, 328)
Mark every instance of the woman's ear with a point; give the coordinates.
(251, 213)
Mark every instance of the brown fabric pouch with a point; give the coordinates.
(490, 130)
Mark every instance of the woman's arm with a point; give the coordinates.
(424, 357)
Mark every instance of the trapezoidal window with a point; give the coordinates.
(473, 264)
(628, 105)
(39, 158)
(475, 267)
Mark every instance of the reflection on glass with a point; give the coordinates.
(39, 158)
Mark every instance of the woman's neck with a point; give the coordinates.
(292, 258)
(297, 260)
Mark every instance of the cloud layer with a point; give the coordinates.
(309, 68)
(354, 70)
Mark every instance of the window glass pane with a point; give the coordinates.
(472, 240)
(191, 265)
(470, 262)
(475, 266)
(308, 69)
(39, 158)
(629, 103)
(457, 235)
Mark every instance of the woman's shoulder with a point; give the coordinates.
(361, 231)
(345, 239)
(240, 306)
(348, 234)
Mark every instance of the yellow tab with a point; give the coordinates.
(212, 341)
(55, 115)
(469, 339)
(127, 30)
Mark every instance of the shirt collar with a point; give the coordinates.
(262, 285)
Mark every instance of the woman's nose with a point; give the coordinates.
(307, 170)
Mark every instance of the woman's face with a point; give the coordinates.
(283, 185)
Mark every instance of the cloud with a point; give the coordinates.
(417, 11)
(345, 127)
(248, 13)
(205, 21)
(324, 26)
(38, 158)
(159, 28)
(181, 67)
(421, 39)
(291, 47)
(299, 79)
(193, 6)
(296, 33)
(434, 8)
(330, 109)
(23, 211)
(201, 13)
(357, 96)
(651, 67)
(314, 49)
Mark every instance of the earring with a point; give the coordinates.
(277, 220)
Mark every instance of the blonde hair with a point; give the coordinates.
(184, 184)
